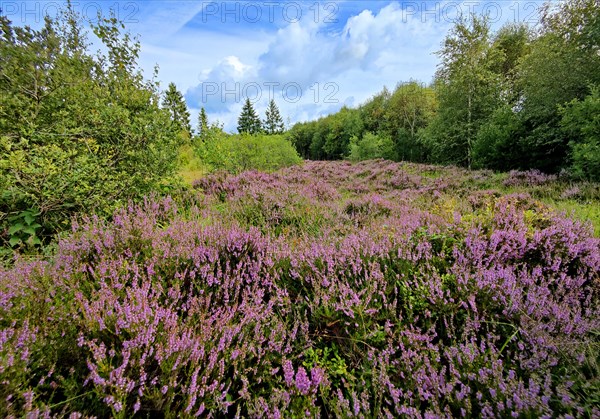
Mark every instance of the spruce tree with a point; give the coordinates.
(202, 123)
(273, 123)
(249, 122)
(175, 104)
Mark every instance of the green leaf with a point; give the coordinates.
(33, 240)
(29, 230)
(14, 241)
(15, 228)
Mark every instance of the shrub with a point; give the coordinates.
(580, 120)
(236, 153)
(70, 142)
(371, 146)
(492, 312)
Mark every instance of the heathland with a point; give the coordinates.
(434, 252)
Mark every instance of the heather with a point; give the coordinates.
(329, 289)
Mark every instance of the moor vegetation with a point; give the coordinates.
(326, 289)
(151, 270)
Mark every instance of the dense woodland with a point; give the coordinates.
(519, 98)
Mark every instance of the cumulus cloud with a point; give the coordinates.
(327, 64)
(221, 86)
(306, 53)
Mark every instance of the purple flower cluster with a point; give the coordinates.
(331, 289)
(531, 177)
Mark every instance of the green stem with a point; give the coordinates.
(71, 399)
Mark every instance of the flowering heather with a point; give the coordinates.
(324, 290)
(528, 178)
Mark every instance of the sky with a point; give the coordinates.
(312, 57)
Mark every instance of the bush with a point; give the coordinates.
(581, 120)
(371, 146)
(237, 153)
(79, 133)
(497, 146)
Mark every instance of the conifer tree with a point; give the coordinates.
(175, 104)
(202, 123)
(274, 122)
(249, 122)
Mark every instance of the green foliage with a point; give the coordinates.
(329, 137)
(371, 146)
(513, 42)
(249, 122)
(581, 121)
(409, 111)
(273, 123)
(496, 145)
(330, 360)
(79, 133)
(562, 64)
(202, 123)
(468, 90)
(23, 229)
(398, 118)
(236, 153)
(173, 102)
(191, 167)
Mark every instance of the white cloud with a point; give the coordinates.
(371, 47)
(368, 51)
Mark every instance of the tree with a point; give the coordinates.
(468, 88)
(273, 123)
(371, 146)
(408, 111)
(175, 104)
(202, 123)
(581, 122)
(513, 41)
(372, 112)
(563, 63)
(79, 133)
(301, 137)
(248, 121)
(343, 125)
(497, 145)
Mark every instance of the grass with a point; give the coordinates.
(191, 166)
(578, 210)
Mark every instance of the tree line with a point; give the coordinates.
(517, 98)
(248, 122)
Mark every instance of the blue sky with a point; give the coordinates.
(311, 57)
